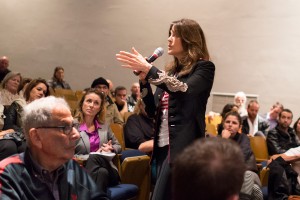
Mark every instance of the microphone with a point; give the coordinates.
(157, 53)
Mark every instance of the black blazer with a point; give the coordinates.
(186, 108)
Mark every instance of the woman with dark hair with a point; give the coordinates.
(179, 102)
(57, 81)
(96, 136)
(227, 108)
(15, 143)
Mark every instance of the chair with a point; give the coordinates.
(118, 131)
(211, 129)
(136, 170)
(126, 115)
(58, 92)
(259, 147)
(264, 177)
(217, 119)
(79, 94)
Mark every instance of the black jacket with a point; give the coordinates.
(19, 182)
(279, 142)
(186, 109)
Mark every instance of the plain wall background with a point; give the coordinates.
(255, 45)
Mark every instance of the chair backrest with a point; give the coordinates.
(211, 129)
(259, 148)
(136, 170)
(264, 176)
(217, 119)
(79, 94)
(118, 131)
(62, 92)
(126, 115)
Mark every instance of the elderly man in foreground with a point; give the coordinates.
(46, 169)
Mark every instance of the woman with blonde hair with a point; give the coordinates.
(9, 88)
(97, 137)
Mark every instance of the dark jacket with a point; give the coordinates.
(19, 182)
(138, 129)
(186, 109)
(279, 142)
(244, 142)
(54, 83)
(13, 118)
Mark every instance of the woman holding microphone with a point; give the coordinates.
(179, 102)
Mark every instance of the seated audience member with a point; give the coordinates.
(46, 169)
(112, 113)
(253, 124)
(96, 136)
(297, 130)
(134, 97)
(203, 170)
(272, 116)
(232, 124)
(227, 108)
(138, 130)
(4, 63)
(9, 88)
(12, 144)
(57, 81)
(284, 174)
(282, 137)
(2, 117)
(240, 100)
(121, 94)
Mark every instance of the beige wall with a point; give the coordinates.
(254, 44)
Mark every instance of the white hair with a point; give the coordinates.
(39, 112)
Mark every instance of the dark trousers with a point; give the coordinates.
(102, 172)
(162, 190)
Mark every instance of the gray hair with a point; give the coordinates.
(39, 112)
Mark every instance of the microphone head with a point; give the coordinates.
(159, 51)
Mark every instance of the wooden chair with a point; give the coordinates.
(118, 131)
(211, 129)
(259, 147)
(136, 170)
(216, 120)
(79, 94)
(63, 92)
(126, 115)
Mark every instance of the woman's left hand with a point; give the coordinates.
(107, 147)
(134, 61)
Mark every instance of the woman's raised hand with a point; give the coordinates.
(134, 61)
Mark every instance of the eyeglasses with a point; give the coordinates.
(66, 129)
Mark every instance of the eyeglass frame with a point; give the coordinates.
(74, 125)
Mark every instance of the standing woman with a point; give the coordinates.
(96, 136)
(179, 102)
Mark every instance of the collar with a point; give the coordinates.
(41, 173)
(83, 126)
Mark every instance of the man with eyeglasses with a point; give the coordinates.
(46, 169)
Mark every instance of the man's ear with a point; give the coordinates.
(35, 138)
